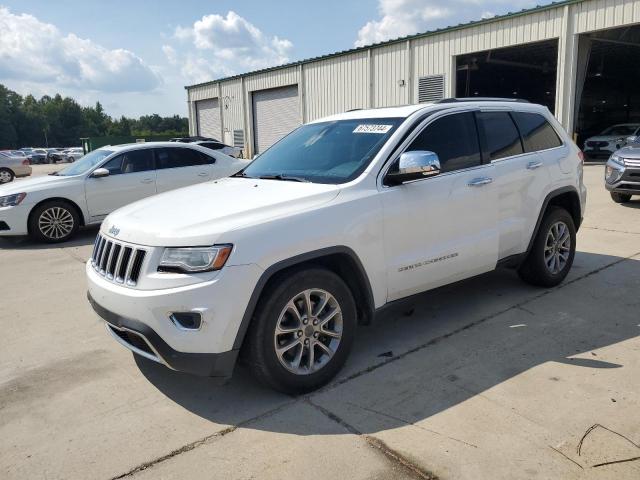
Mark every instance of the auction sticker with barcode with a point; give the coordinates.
(372, 129)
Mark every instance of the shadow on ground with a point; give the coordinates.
(461, 340)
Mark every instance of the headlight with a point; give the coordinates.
(12, 200)
(194, 259)
(615, 158)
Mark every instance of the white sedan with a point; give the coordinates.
(52, 208)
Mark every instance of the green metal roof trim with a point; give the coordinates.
(460, 26)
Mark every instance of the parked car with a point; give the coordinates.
(55, 155)
(622, 174)
(610, 140)
(73, 154)
(338, 219)
(38, 156)
(12, 166)
(52, 208)
(234, 152)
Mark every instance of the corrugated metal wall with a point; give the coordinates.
(336, 84)
(373, 77)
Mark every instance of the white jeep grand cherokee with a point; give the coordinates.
(341, 217)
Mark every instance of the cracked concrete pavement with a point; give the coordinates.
(488, 378)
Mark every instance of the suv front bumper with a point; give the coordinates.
(628, 181)
(140, 319)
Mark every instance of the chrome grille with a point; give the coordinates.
(116, 261)
(632, 162)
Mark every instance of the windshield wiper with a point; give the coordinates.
(287, 178)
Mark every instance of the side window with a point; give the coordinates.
(181, 157)
(536, 132)
(130, 162)
(454, 139)
(501, 135)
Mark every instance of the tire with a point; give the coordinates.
(540, 268)
(43, 226)
(620, 197)
(6, 175)
(284, 304)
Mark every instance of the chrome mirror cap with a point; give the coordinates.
(420, 163)
(100, 173)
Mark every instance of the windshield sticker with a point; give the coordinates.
(382, 129)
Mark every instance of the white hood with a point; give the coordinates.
(35, 184)
(200, 214)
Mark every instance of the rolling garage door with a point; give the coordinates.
(276, 112)
(208, 113)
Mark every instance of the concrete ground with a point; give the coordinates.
(488, 379)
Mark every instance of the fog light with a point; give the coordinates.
(186, 320)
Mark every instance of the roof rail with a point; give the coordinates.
(482, 99)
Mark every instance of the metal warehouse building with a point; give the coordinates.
(581, 58)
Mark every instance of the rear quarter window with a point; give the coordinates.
(537, 133)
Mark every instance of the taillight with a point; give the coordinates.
(25, 161)
(581, 155)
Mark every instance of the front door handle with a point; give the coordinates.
(203, 174)
(533, 165)
(477, 182)
(147, 180)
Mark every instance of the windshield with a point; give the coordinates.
(620, 130)
(85, 164)
(327, 152)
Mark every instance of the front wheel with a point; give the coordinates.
(54, 222)
(302, 331)
(6, 175)
(553, 250)
(620, 197)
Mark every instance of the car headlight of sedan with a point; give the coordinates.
(194, 259)
(12, 200)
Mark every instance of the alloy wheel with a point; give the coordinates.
(308, 332)
(557, 248)
(5, 176)
(56, 223)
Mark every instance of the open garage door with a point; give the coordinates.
(208, 114)
(608, 90)
(276, 112)
(526, 71)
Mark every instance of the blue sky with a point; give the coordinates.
(135, 56)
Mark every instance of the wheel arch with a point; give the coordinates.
(57, 199)
(341, 260)
(565, 197)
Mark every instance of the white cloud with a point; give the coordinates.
(398, 18)
(219, 45)
(37, 52)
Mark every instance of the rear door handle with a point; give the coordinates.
(533, 165)
(147, 180)
(478, 182)
(203, 174)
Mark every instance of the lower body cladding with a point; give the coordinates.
(148, 322)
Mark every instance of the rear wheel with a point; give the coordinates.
(6, 175)
(54, 222)
(302, 331)
(620, 197)
(553, 250)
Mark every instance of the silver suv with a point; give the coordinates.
(622, 174)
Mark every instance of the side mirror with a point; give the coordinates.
(100, 173)
(415, 165)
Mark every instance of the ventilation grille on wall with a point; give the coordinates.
(238, 138)
(431, 89)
